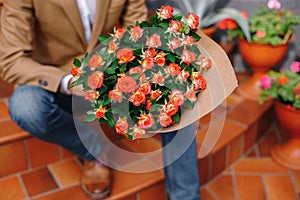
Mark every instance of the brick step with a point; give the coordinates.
(25, 160)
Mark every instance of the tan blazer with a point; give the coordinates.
(40, 38)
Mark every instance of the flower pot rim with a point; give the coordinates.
(261, 44)
(283, 106)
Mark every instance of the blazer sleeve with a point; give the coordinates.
(136, 10)
(16, 37)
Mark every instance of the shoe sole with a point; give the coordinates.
(96, 196)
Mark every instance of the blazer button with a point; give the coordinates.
(43, 83)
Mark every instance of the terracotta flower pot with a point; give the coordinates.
(260, 58)
(288, 153)
(209, 31)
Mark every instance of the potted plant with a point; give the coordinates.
(284, 88)
(270, 28)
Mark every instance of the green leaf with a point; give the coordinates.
(196, 36)
(176, 117)
(164, 24)
(77, 62)
(110, 121)
(103, 39)
(90, 117)
(171, 57)
(110, 70)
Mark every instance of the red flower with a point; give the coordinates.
(160, 59)
(170, 109)
(166, 12)
(173, 69)
(100, 112)
(193, 20)
(95, 61)
(147, 63)
(149, 53)
(146, 121)
(136, 70)
(112, 47)
(283, 80)
(188, 40)
(125, 55)
(155, 94)
(227, 24)
(145, 88)
(174, 44)
(191, 95)
(96, 80)
(76, 71)
(119, 33)
(205, 62)
(126, 84)
(158, 78)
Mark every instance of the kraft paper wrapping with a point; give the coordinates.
(221, 82)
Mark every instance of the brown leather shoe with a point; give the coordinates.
(96, 179)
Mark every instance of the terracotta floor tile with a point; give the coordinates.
(38, 181)
(204, 170)
(157, 192)
(250, 110)
(235, 149)
(11, 189)
(13, 158)
(223, 193)
(279, 188)
(233, 100)
(67, 172)
(66, 153)
(9, 132)
(218, 162)
(128, 183)
(250, 188)
(259, 165)
(250, 137)
(3, 110)
(296, 176)
(205, 194)
(266, 144)
(41, 153)
(74, 193)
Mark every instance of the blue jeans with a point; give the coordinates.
(181, 166)
(48, 116)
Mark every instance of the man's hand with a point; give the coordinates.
(77, 90)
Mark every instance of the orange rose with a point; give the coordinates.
(136, 32)
(199, 84)
(126, 84)
(136, 70)
(115, 95)
(145, 88)
(184, 74)
(112, 47)
(193, 20)
(100, 112)
(95, 61)
(205, 63)
(91, 95)
(76, 71)
(148, 105)
(188, 57)
(170, 109)
(191, 95)
(154, 41)
(146, 121)
(155, 94)
(176, 97)
(148, 63)
(160, 59)
(175, 43)
(283, 80)
(95, 80)
(173, 69)
(166, 12)
(174, 26)
(149, 53)
(125, 55)
(119, 33)
(158, 78)
(138, 132)
(137, 98)
(164, 119)
(188, 40)
(121, 126)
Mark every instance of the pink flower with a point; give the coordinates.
(136, 33)
(265, 82)
(274, 4)
(260, 34)
(154, 41)
(174, 26)
(295, 66)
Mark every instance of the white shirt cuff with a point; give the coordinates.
(64, 83)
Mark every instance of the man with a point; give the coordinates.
(39, 40)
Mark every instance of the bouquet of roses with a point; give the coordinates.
(143, 77)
